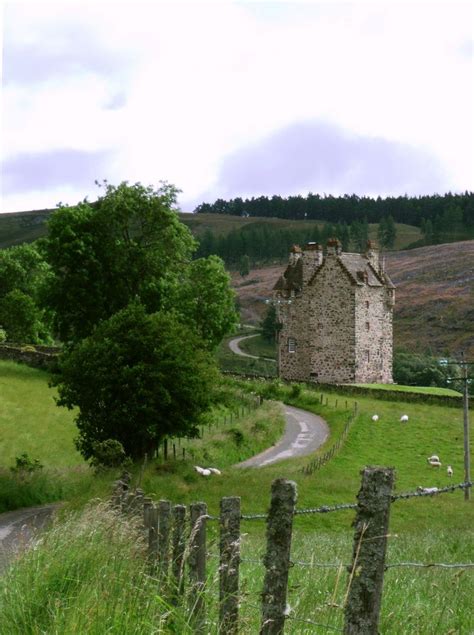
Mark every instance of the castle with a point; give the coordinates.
(335, 311)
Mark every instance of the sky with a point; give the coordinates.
(226, 99)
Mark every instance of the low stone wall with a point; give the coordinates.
(36, 358)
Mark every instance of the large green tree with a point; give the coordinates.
(129, 244)
(24, 276)
(205, 300)
(137, 378)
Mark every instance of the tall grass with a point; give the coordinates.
(88, 574)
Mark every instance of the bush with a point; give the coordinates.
(3, 335)
(237, 436)
(24, 465)
(108, 454)
(295, 391)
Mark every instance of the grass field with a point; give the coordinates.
(421, 390)
(86, 574)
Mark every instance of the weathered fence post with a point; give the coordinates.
(179, 544)
(229, 565)
(364, 595)
(165, 449)
(147, 505)
(164, 522)
(277, 557)
(197, 564)
(152, 536)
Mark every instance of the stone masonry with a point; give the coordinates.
(336, 312)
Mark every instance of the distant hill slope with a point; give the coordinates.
(19, 227)
(434, 307)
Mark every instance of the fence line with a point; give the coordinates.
(320, 461)
(164, 525)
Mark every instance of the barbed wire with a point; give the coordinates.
(430, 492)
(326, 509)
(429, 565)
(391, 565)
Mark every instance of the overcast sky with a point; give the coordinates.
(227, 99)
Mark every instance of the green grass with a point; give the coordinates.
(232, 363)
(31, 422)
(422, 390)
(258, 346)
(90, 571)
(89, 575)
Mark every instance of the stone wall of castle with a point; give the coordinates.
(336, 329)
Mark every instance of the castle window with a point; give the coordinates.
(367, 304)
(367, 356)
(291, 345)
(367, 326)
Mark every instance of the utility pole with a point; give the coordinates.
(467, 454)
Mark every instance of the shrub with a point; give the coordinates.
(24, 465)
(3, 335)
(237, 436)
(107, 454)
(295, 391)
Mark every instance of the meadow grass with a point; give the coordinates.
(258, 346)
(422, 390)
(88, 574)
(31, 422)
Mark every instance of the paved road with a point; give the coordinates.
(304, 434)
(18, 528)
(235, 348)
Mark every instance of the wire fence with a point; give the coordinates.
(371, 526)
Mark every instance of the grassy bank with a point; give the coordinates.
(89, 575)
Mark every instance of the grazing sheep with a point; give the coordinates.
(214, 470)
(404, 418)
(206, 472)
(375, 417)
(435, 463)
(433, 457)
(449, 471)
(198, 469)
(427, 490)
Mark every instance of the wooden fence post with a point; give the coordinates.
(152, 536)
(229, 565)
(364, 595)
(147, 505)
(179, 544)
(164, 522)
(277, 557)
(197, 564)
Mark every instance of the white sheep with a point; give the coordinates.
(433, 457)
(214, 470)
(435, 463)
(404, 418)
(206, 472)
(375, 417)
(449, 471)
(200, 470)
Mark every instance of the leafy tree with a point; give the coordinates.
(24, 275)
(138, 378)
(270, 325)
(244, 266)
(129, 244)
(20, 317)
(205, 300)
(359, 232)
(416, 369)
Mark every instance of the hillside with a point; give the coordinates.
(434, 307)
(19, 227)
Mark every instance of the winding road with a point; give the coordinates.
(304, 434)
(18, 528)
(235, 348)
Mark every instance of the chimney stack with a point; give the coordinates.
(312, 259)
(334, 247)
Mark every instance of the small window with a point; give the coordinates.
(367, 304)
(367, 326)
(367, 356)
(291, 345)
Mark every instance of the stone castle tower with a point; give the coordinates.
(335, 311)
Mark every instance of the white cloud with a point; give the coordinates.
(196, 82)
